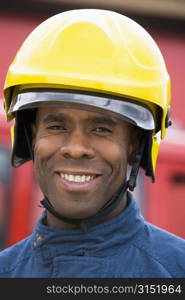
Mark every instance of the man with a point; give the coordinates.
(90, 95)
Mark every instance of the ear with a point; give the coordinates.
(136, 134)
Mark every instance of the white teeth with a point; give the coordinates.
(77, 178)
(71, 177)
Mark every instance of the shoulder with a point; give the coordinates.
(162, 237)
(12, 256)
(164, 247)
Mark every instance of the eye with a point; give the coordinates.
(102, 130)
(56, 127)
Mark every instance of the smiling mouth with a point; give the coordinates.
(76, 178)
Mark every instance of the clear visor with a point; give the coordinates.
(121, 108)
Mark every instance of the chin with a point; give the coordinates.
(78, 207)
(76, 210)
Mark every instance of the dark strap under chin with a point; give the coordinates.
(87, 222)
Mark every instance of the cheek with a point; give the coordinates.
(116, 156)
(44, 149)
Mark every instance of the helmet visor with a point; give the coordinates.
(125, 109)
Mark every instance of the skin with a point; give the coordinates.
(75, 141)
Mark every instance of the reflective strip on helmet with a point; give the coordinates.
(124, 109)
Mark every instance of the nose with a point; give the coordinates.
(77, 146)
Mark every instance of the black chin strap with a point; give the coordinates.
(137, 163)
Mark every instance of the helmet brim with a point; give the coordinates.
(122, 108)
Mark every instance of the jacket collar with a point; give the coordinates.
(99, 240)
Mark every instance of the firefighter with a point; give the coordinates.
(90, 95)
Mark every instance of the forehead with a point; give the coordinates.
(76, 113)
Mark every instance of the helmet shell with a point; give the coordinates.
(98, 51)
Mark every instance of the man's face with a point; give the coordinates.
(80, 158)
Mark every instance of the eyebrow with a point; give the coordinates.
(54, 118)
(103, 120)
(96, 119)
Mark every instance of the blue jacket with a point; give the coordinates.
(125, 246)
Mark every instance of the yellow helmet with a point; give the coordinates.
(97, 53)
